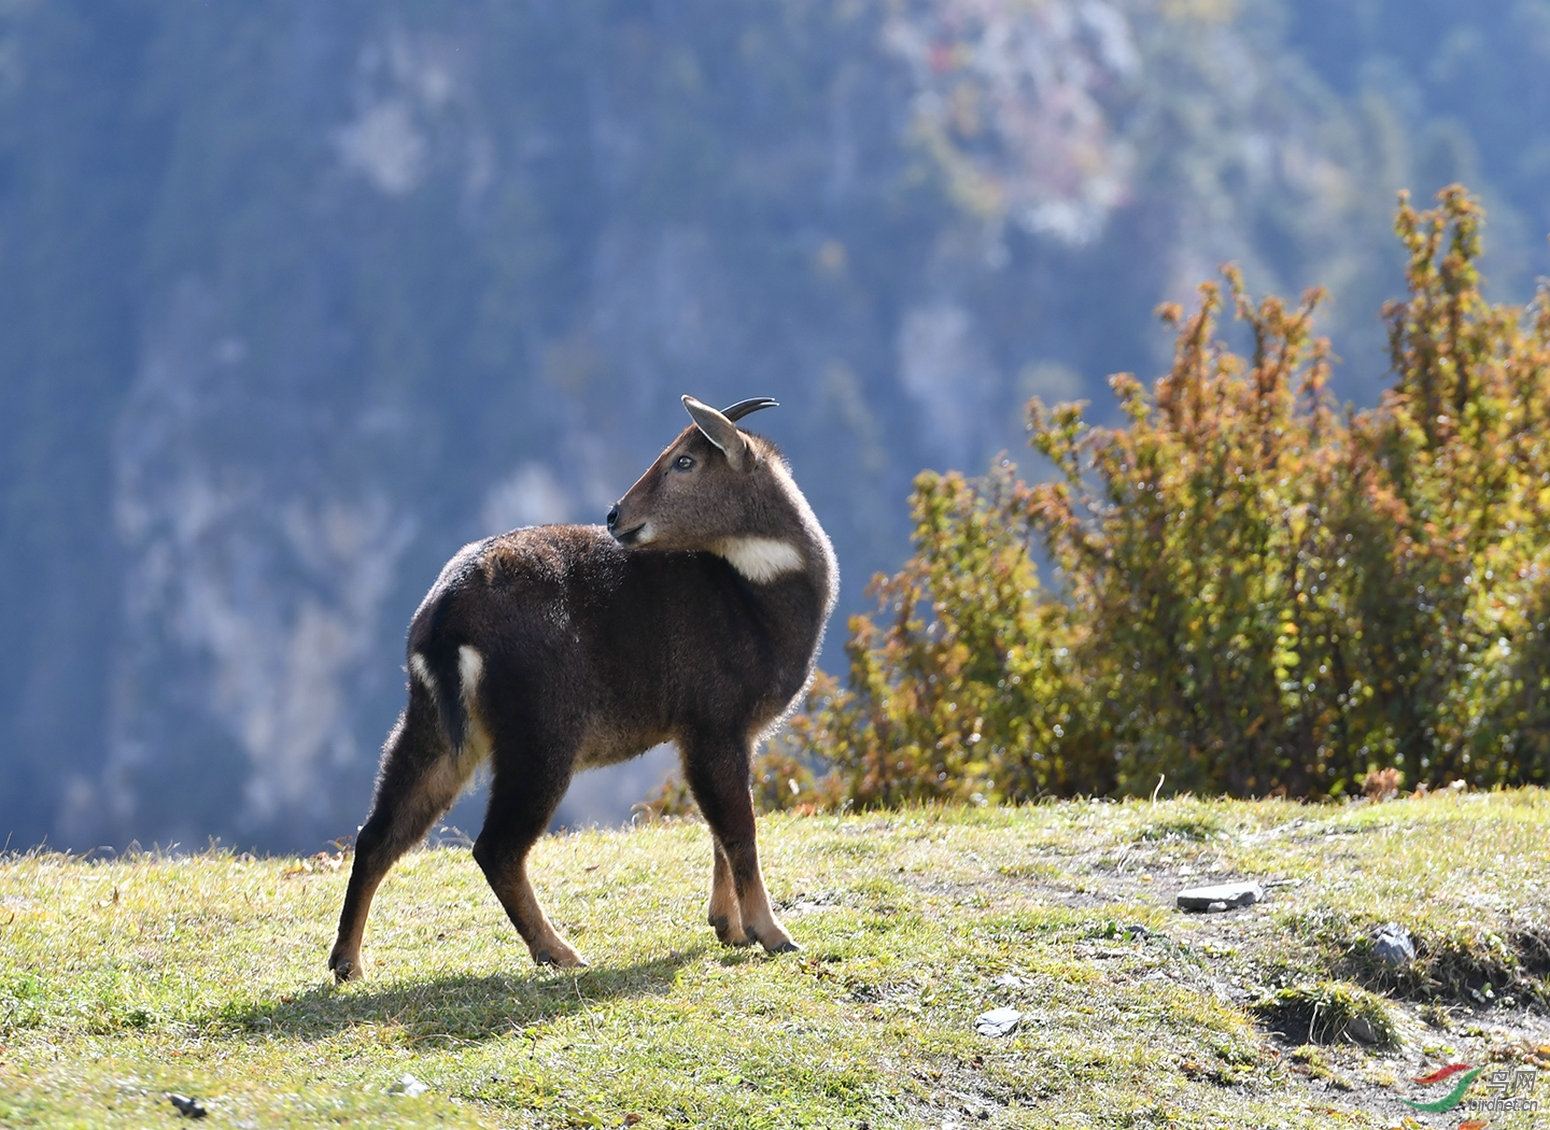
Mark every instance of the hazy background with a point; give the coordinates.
(299, 297)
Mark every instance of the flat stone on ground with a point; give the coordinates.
(1222, 896)
(998, 1022)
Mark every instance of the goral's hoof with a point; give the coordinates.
(786, 946)
(345, 968)
(728, 936)
(560, 960)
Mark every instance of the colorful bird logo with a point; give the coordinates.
(1466, 1074)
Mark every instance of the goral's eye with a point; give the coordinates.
(684, 462)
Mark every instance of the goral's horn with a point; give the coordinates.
(753, 404)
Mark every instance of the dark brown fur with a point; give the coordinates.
(592, 651)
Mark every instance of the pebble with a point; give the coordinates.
(1362, 1030)
(188, 1107)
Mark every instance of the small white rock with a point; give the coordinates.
(409, 1086)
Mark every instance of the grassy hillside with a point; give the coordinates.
(123, 981)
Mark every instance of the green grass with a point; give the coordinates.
(123, 981)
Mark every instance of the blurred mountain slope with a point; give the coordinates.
(300, 297)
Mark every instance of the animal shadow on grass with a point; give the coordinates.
(459, 1007)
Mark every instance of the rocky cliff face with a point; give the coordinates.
(303, 297)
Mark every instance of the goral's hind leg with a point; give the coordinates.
(523, 798)
(419, 780)
(725, 914)
(719, 774)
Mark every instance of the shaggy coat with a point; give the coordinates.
(695, 616)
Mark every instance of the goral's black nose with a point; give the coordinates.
(613, 517)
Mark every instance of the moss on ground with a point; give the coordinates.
(1326, 1012)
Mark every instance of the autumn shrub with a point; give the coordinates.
(1250, 589)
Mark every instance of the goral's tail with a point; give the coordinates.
(450, 674)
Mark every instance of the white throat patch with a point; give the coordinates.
(761, 559)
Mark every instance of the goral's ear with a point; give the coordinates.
(720, 431)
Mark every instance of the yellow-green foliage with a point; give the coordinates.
(1254, 591)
